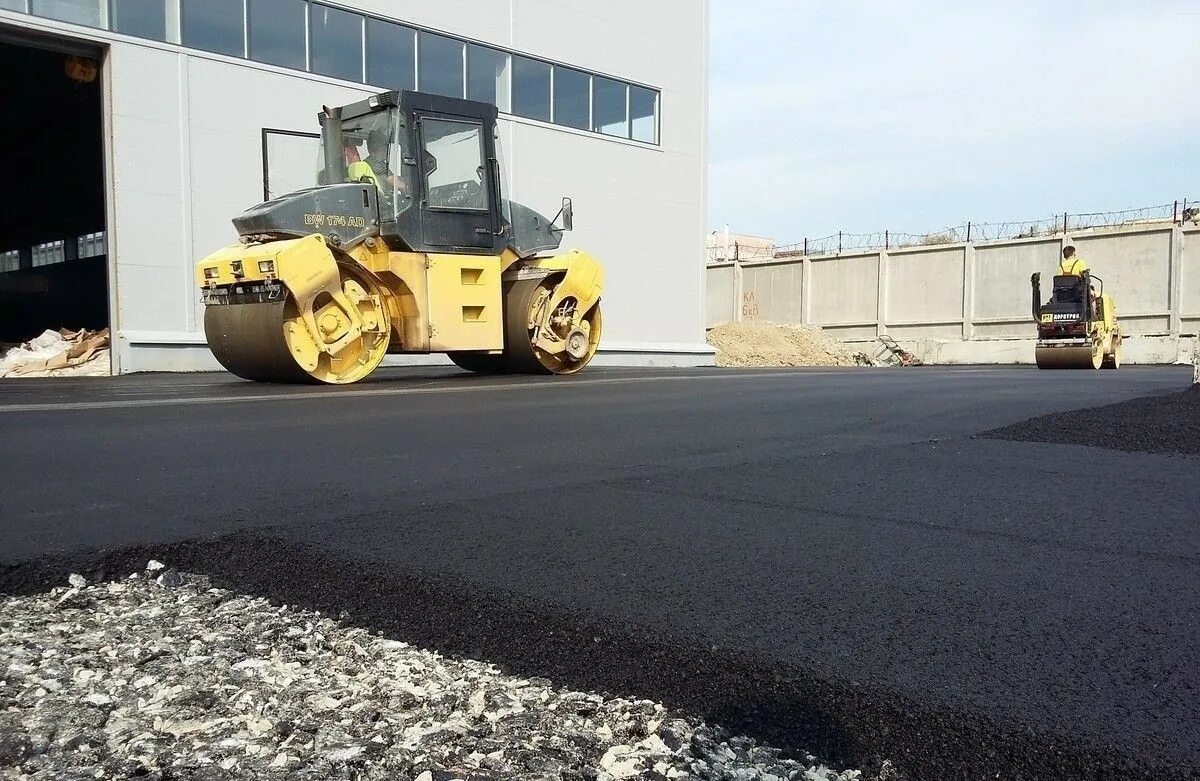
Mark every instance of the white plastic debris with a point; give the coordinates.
(76, 580)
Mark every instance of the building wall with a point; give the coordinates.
(186, 156)
(971, 303)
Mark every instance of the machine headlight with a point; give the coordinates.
(211, 272)
(266, 267)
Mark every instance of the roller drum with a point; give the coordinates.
(247, 339)
(1081, 357)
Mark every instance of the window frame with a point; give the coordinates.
(425, 174)
(267, 132)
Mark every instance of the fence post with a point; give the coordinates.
(1175, 211)
(881, 295)
(737, 291)
(806, 246)
(806, 291)
(968, 231)
(839, 242)
(886, 240)
(1064, 222)
(968, 298)
(1175, 277)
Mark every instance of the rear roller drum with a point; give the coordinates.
(271, 342)
(1069, 357)
(522, 304)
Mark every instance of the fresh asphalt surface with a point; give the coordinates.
(826, 525)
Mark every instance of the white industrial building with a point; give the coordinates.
(138, 128)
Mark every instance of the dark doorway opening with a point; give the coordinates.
(53, 246)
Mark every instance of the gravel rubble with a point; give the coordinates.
(161, 676)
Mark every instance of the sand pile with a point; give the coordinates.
(769, 344)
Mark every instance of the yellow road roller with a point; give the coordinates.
(1077, 326)
(408, 243)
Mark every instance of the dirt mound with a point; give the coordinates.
(769, 344)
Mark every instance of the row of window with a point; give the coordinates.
(309, 36)
(51, 252)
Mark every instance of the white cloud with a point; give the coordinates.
(871, 115)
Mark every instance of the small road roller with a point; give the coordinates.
(1077, 327)
(408, 243)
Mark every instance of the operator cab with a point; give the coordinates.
(422, 171)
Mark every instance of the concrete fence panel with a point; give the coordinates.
(1189, 288)
(1002, 302)
(925, 287)
(773, 292)
(719, 295)
(1136, 272)
(846, 291)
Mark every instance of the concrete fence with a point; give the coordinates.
(970, 303)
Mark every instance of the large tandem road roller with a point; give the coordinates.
(407, 245)
(1077, 327)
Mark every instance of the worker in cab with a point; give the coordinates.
(377, 159)
(1071, 264)
(357, 170)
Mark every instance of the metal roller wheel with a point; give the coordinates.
(521, 297)
(1069, 357)
(271, 343)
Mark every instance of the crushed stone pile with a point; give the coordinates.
(161, 676)
(771, 344)
(60, 353)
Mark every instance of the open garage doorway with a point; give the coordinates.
(53, 245)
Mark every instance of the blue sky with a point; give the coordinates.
(910, 116)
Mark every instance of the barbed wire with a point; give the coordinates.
(1183, 211)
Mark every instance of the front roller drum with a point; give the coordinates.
(247, 339)
(1082, 357)
(270, 342)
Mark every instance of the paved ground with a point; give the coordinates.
(826, 557)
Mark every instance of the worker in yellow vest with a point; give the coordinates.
(356, 169)
(1071, 265)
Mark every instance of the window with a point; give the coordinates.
(77, 11)
(335, 42)
(11, 260)
(13, 5)
(391, 55)
(291, 161)
(643, 113)
(571, 98)
(277, 32)
(609, 107)
(143, 18)
(453, 164)
(214, 25)
(530, 88)
(487, 76)
(441, 69)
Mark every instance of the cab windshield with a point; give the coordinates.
(374, 154)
